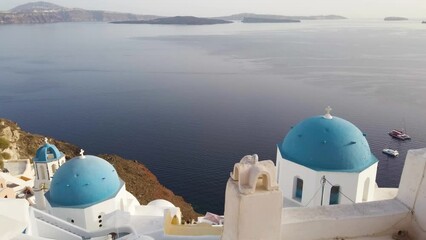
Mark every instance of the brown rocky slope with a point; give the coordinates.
(141, 182)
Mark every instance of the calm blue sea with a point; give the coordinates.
(190, 101)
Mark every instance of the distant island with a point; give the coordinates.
(424, 22)
(178, 20)
(44, 12)
(241, 16)
(268, 20)
(395, 19)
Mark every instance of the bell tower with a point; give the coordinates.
(253, 202)
(47, 160)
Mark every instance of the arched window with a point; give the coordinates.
(54, 168)
(175, 220)
(298, 189)
(50, 153)
(43, 172)
(237, 174)
(264, 182)
(334, 195)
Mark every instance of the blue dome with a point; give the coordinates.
(82, 182)
(327, 145)
(46, 153)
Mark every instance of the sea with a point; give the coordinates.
(190, 101)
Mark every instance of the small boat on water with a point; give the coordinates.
(401, 135)
(390, 152)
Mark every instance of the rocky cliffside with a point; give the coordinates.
(37, 6)
(44, 12)
(75, 15)
(142, 183)
(23, 145)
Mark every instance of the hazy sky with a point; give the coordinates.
(348, 8)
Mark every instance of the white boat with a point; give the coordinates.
(399, 134)
(390, 152)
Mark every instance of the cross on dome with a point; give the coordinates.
(327, 113)
(82, 153)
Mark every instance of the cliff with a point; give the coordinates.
(23, 145)
(44, 12)
(37, 7)
(142, 183)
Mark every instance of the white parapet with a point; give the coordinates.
(412, 189)
(368, 220)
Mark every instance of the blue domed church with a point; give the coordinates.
(83, 191)
(325, 160)
(84, 198)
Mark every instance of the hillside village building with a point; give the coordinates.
(323, 187)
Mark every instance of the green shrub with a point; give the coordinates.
(4, 143)
(6, 156)
(1, 163)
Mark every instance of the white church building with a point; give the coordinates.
(84, 190)
(322, 186)
(326, 160)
